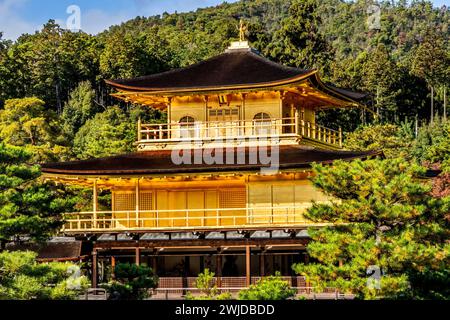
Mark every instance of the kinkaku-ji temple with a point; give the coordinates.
(236, 215)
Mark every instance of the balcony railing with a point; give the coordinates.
(201, 131)
(105, 221)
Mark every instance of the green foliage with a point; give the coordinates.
(206, 284)
(269, 288)
(299, 42)
(384, 216)
(106, 134)
(26, 122)
(28, 207)
(21, 278)
(433, 144)
(79, 108)
(431, 60)
(393, 140)
(131, 282)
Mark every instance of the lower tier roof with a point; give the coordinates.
(160, 162)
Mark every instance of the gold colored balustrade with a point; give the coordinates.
(185, 219)
(286, 127)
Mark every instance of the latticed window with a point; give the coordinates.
(233, 198)
(146, 201)
(124, 201)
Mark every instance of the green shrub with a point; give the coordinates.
(270, 288)
(131, 282)
(22, 278)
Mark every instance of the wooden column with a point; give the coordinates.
(262, 262)
(113, 266)
(155, 264)
(138, 256)
(219, 270)
(137, 191)
(169, 118)
(94, 269)
(248, 278)
(139, 129)
(95, 204)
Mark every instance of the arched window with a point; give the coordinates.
(187, 127)
(262, 124)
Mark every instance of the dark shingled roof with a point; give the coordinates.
(238, 67)
(232, 69)
(51, 251)
(160, 162)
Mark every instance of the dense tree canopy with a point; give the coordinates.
(386, 220)
(29, 208)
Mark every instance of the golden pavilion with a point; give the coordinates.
(224, 183)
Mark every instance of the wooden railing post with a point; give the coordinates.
(340, 137)
(139, 129)
(95, 204)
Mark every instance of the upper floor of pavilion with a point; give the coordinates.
(238, 98)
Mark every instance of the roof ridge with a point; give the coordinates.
(251, 53)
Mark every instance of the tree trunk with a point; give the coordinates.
(432, 104)
(445, 103)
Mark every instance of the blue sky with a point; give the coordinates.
(27, 16)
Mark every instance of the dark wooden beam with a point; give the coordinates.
(188, 244)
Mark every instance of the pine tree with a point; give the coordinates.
(29, 209)
(384, 219)
(299, 42)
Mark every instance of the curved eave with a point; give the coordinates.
(175, 91)
(197, 171)
(319, 85)
(157, 98)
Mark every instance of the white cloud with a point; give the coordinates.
(11, 24)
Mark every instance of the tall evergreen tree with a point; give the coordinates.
(384, 220)
(299, 42)
(29, 209)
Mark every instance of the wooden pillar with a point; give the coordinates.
(139, 129)
(169, 118)
(155, 264)
(138, 256)
(113, 266)
(219, 270)
(262, 266)
(137, 191)
(248, 278)
(95, 204)
(94, 269)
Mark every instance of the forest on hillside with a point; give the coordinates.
(396, 64)
(55, 106)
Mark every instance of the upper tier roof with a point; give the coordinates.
(234, 69)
